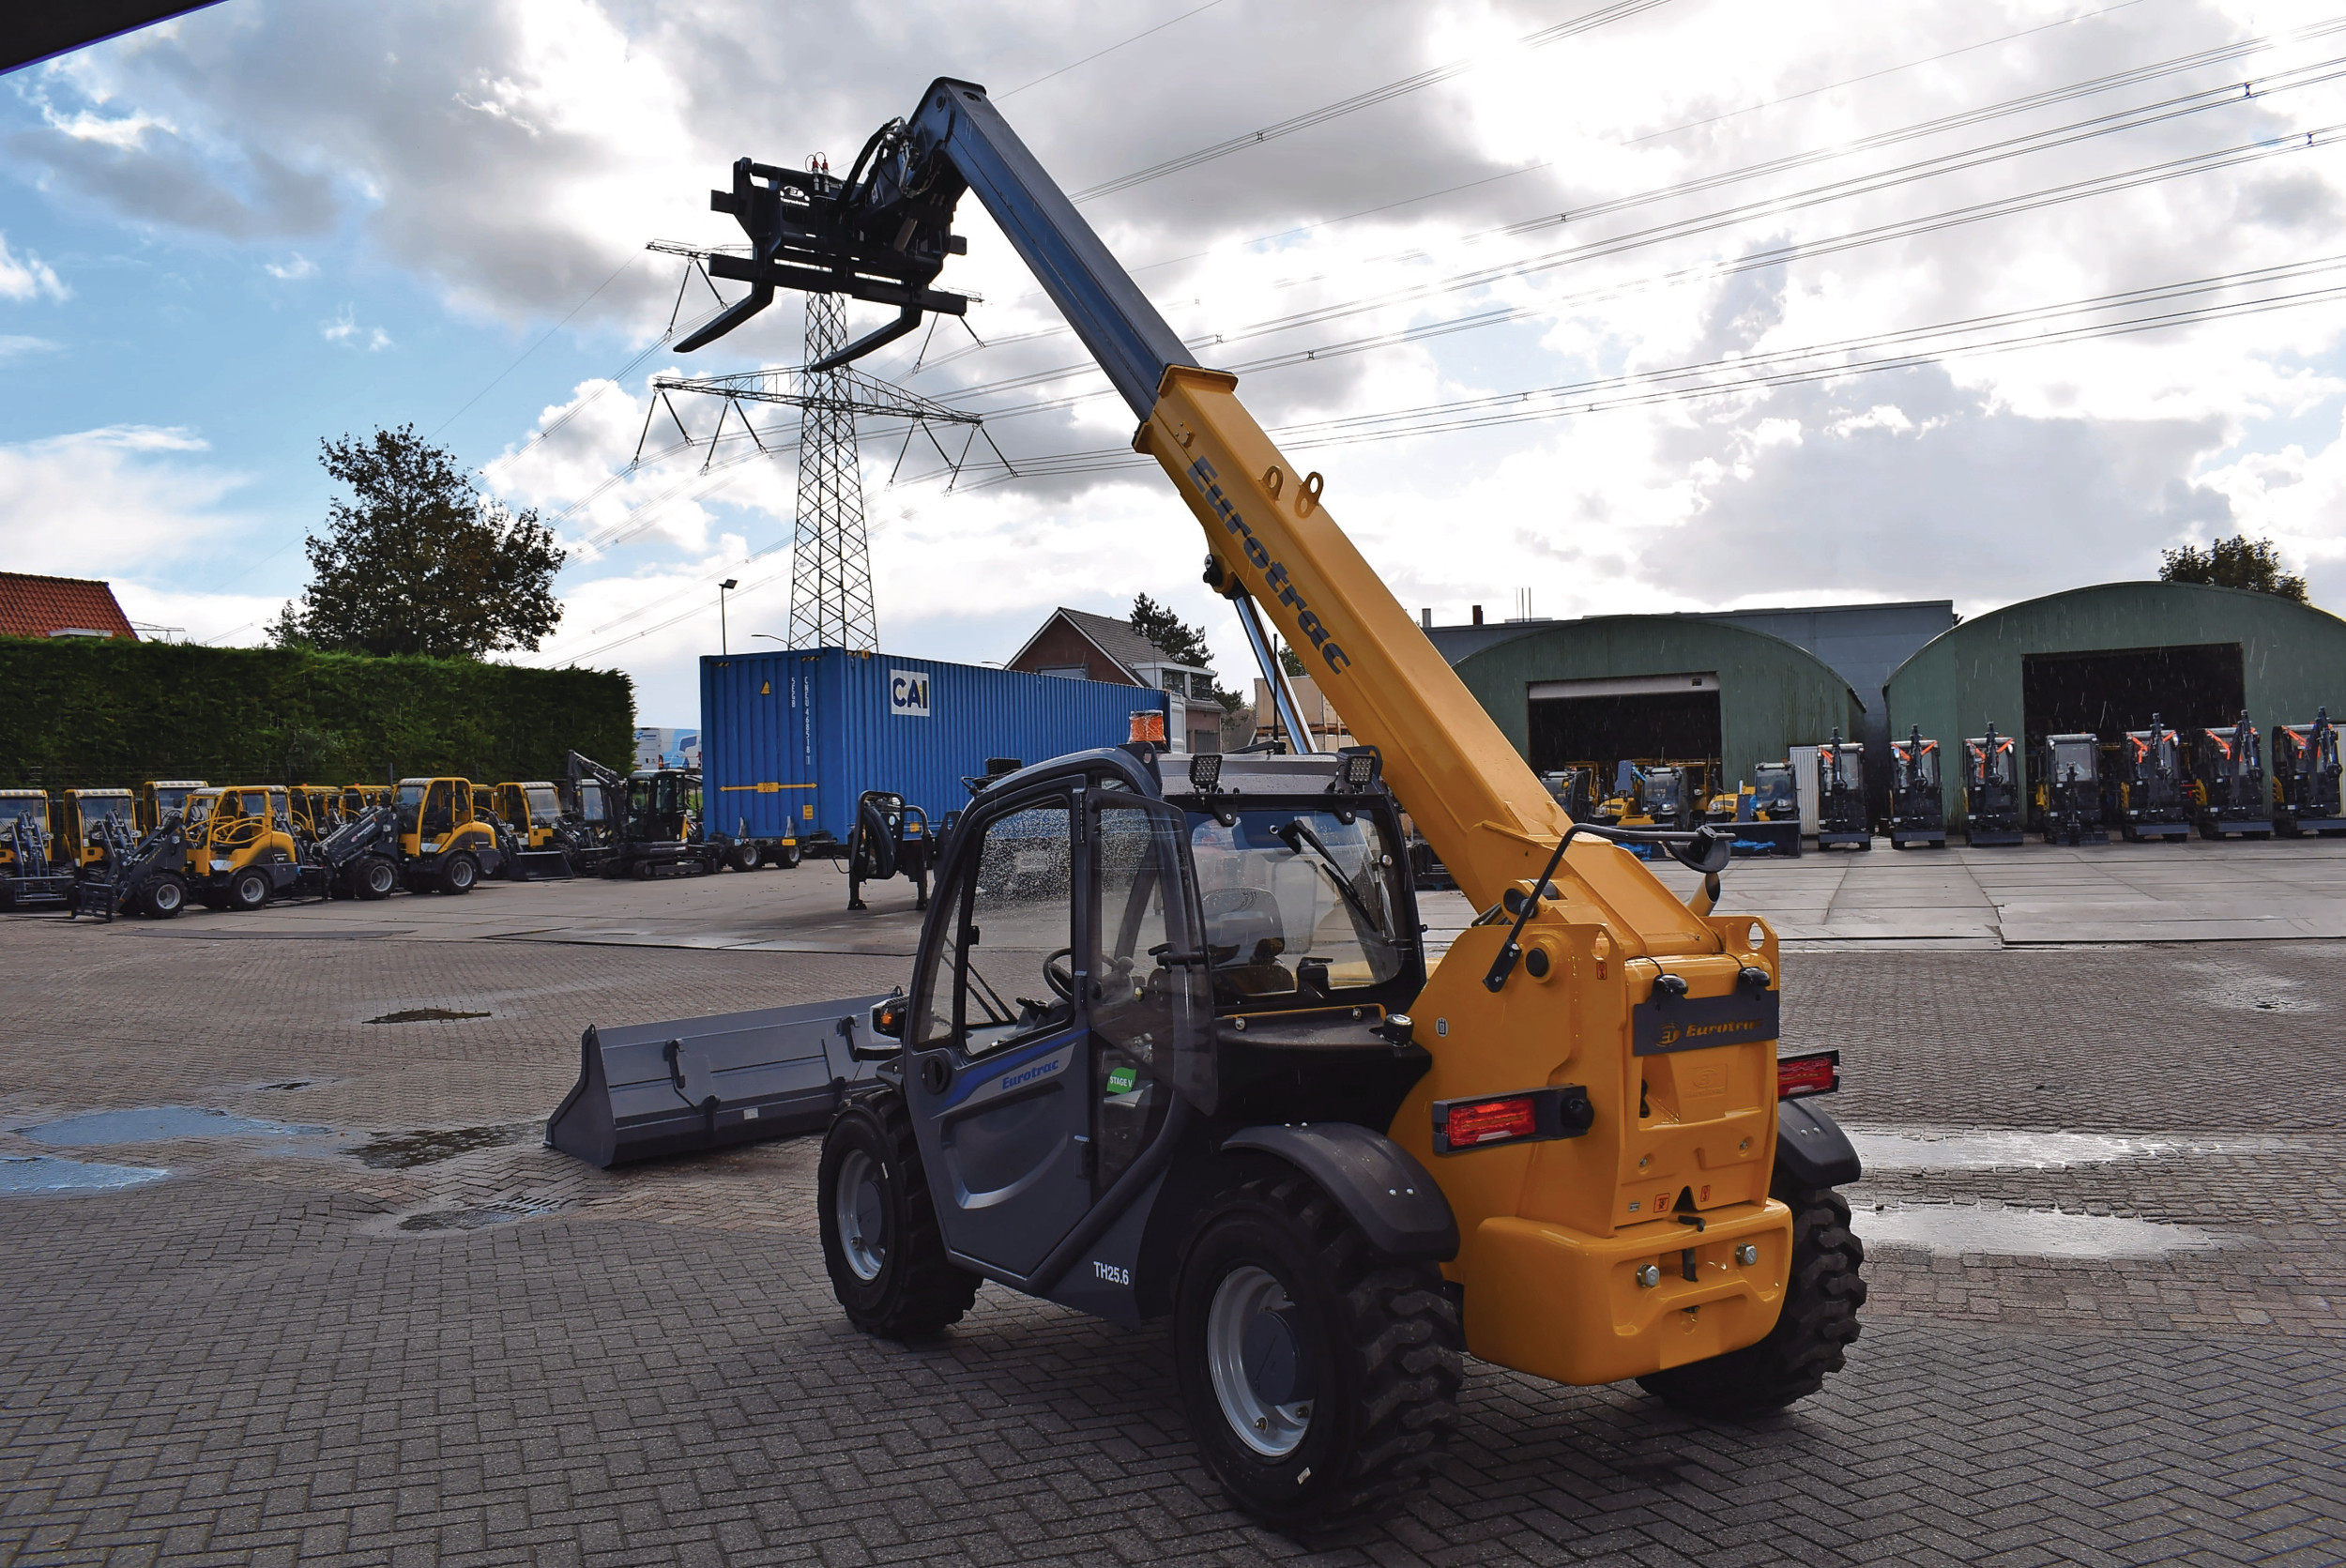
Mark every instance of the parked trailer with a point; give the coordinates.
(791, 740)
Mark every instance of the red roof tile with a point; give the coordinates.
(44, 606)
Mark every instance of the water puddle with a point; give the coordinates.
(2024, 1232)
(1931, 1148)
(155, 1123)
(402, 1151)
(424, 1015)
(22, 1173)
(480, 1218)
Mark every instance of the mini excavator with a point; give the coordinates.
(1172, 1046)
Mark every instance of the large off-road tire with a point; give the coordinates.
(881, 1243)
(1819, 1320)
(1320, 1379)
(743, 857)
(249, 889)
(162, 896)
(372, 877)
(458, 873)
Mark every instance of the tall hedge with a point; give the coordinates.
(82, 712)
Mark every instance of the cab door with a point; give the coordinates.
(999, 1055)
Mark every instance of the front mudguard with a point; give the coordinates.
(1810, 1147)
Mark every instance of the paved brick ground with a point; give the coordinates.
(361, 1344)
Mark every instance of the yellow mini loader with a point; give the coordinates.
(442, 842)
(533, 811)
(161, 797)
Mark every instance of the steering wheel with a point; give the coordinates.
(1060, 977)
(1232, 900)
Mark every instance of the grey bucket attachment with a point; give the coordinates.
(541, 865)
(698, 1084)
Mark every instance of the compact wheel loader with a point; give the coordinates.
(442, 844)
(1172, 1049)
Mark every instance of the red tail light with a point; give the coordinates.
(1818, 1073)
(1490, 1120)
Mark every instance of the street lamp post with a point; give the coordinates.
(723, 646)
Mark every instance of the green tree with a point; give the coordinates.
(1179, 640)
(416, 561)
(2238, 562)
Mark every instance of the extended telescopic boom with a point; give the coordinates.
(883, 235)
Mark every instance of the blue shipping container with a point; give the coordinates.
(790, 740)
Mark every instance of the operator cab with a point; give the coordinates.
(1115, 931)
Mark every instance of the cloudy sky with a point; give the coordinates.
(1655, 304)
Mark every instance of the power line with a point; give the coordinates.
(2042, 325)
(1111, 49)
(2110, 123)
(1619, 11)
(1777, 207)
(2245, 46)
(533, 347)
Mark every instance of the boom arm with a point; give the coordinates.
(883, 233)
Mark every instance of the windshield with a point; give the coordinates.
(1992, 767)
(410, 802)
(1299, 905)
(1919, 763)
(1772, 789)
(1853, 774)
(544, 807)
(2082, 752)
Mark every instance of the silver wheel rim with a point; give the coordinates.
(857, 1209)
(165, 896)
(1271, 1429)
(379, 876)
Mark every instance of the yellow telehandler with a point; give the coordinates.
(1172, 1046)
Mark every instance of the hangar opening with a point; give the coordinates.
(1603, 720)
(2108, 691)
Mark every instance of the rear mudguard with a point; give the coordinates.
(1810, 1147)
(1380, 1185)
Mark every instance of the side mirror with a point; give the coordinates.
(887, 1019)
(1708, 850)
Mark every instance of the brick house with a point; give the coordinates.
(1077, 645)
(34, 607)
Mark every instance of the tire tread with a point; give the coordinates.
(1406, 1350)
(930, 1293)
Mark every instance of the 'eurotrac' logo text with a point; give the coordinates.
(1282, 587)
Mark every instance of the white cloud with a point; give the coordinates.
(134, 500)
(15, 346)
(512, 155)
(27, 277)
(293, 270)
(345, 332)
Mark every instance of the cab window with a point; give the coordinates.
(1007, 972)
(1299, 907)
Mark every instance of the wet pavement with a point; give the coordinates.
(287, 1278)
